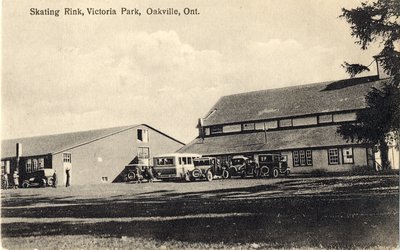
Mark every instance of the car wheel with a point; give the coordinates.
(243, 174)
(131, 176)
(287, 173)
(25, 184)
(225, 174)
(50, 181)
(275, 173)
(209, 175)
(264, 171)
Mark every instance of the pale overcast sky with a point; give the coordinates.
(70, 73)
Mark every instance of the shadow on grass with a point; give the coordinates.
(358, 218)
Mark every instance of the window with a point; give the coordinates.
(67, 157)
(143, 153)
(216, 130)
(142, 135)
(164, 161)
(325, 118)
(3, 167)
(347, 154)
(296, 161)
(232, 128)
(305, 121)
(345, 117)
(41, 163)
(248, 126)
(28, 166)
(333, 156)
(34, 165)
(207, 131)
(302, 158)
(285, 123)
(104, 179)
(266, 125)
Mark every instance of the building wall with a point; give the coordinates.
(320, 161)
(107, 158)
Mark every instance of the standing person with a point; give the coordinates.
(67, 174)
(16, 179)
(4, 181)
(54, 179)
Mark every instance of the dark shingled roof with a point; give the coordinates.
(255, 142)
(292, 101)
(50, 144)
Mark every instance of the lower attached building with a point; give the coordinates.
(88, 157)
(306, 149)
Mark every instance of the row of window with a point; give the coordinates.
(32, 165)
(283, 123)
(302, 158)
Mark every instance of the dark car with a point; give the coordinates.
(273, 165)
(241, 166)
(40, 178)
(138, 173)
(205, 168)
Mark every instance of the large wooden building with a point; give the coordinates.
(299, 122)
(96, 156)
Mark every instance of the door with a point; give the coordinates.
(67, 168)
(144, 156)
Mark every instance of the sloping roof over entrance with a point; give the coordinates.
(291, 101)
(275, 140)
(50, 144)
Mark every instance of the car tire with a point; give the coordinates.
(287, 173)
(264, 171)
(25, 184)
(50, 181)
(131, 176)
(209, 175)
(226, 174)
(243, 174)
(275, 173)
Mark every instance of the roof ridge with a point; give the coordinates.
(298, 86)
(72, 132)
(123, 128)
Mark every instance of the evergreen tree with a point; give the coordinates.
(379, 123)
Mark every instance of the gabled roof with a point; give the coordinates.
(292, 101)
(323, 136)
(52, 144)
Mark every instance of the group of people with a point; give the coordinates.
(6, 183)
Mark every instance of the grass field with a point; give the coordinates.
(324, 212)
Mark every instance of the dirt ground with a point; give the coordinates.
(296, 212)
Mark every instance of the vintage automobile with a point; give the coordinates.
(174, 166)
(138, 173)
(40, 178)
(241, 166)
(205, 168)
(273, 165)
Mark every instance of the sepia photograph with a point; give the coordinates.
(186, 124)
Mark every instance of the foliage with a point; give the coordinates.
(354, 69)
(379, 123)
(377, 21)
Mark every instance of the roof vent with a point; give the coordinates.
(380, 70)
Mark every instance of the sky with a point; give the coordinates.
(71, 73)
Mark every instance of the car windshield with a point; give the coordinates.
(164, 161)
(201, 162)
(237, 161)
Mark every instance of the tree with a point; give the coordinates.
(379, 122)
